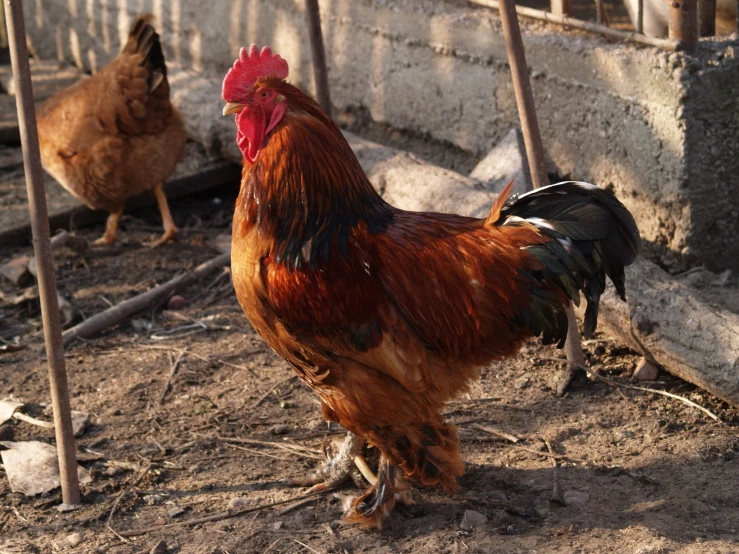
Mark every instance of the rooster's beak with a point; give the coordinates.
(232, 107)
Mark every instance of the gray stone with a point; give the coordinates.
(575, 498)
(505, 162)
(472, 519)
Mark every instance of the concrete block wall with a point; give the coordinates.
(659, 128)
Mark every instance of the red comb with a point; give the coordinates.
(250, 66)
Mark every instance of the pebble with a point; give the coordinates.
(239, 502)
(153, 499)
(279, 429)
(276, 526)
(177, 302)
(159, 548)
(646, 371)
(472, 519)
(575, 498)
(70, 541)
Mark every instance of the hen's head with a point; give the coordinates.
(249, 93)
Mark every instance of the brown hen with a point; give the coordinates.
(116, 134)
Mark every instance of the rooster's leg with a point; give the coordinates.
(170, 229)
(375, 505)
(111, 229)
(338, 468)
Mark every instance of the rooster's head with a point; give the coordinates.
(248, 93)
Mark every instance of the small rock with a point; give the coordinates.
(522, 382)
(542, 509)
(177, 302)
(276, 526)
(16, 271)
(140, 325)
(154, 499)
(645, 371)
(159, 548)
(279, 429)
(239, 502)
(175, 511)
(194, 468)
(472, 519)
(74, 539)
(575, 498)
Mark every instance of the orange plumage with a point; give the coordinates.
(387, 314)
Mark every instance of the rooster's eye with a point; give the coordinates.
(264, 94)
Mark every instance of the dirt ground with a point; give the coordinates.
(637, 472)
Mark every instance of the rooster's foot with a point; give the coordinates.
(339, 467)
(370, 509)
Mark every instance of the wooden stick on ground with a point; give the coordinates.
(120, 312)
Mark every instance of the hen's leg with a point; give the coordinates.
(170, 229)
(375, 505)
(111, 229)
(338, 468)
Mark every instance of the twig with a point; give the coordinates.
(173, 370)
(198, 356)
(615, 384)
(120, 496)
(258, 453)
(306, 546)
(294, 448)
(496, 432)
(120, 312)
(271, 390)
(489, 400)
(294, 505)
(33, 420)
(556, 495)
(215, 517)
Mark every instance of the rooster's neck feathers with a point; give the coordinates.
(306, 188)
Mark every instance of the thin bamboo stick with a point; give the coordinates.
(320, 70)
(42, 251)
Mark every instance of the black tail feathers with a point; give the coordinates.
(145, 40)
(593, 235)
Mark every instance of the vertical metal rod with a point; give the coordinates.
(599, 12)
(524, 96)
(42, 250)
(683, 24)
(707, 17)
(320, 72)
(534, 148)
(640, 16)
(737, 16)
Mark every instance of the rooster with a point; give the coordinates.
(116, 134)
(387, 314)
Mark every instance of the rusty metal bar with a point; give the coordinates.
(534, 148)
(683, 23)
(707, 18)
(320, 71)
(640, 16)
(524, 95)
(42, 251)
(560, 7)
(540, 15)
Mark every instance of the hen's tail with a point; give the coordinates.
(144, 40)
(592, 235)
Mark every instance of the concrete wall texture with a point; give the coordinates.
(659, 128)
